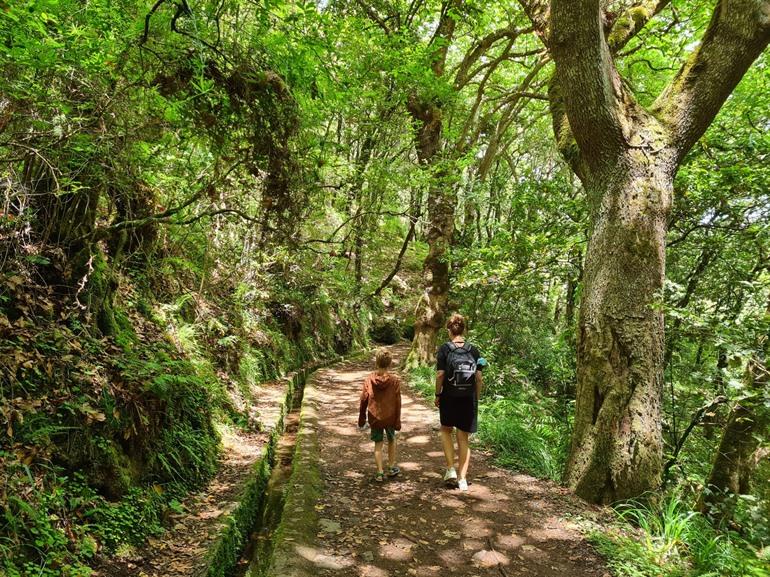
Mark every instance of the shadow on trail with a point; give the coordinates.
(506, 524)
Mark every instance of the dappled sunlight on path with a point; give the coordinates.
(506, 524)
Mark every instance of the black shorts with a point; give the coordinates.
(460, 412)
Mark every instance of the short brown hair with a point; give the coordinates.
(456, 324)
(382, 358)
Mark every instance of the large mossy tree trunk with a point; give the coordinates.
(617, 443)
(627, 156)
(432, 305)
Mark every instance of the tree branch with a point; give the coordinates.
(217, 212)
(372, 14)
(738, 33)
(412, 12)
(443, 35)
(471, 57)
(399, 259)
(538, 13)
(584, 64)
(632, 21)
(148, 16)
(695, 421)
(103, 232)
(356, 216)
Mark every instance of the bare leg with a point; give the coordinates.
(392, 453)
(378, 455)
(465, 453)
(449, 448)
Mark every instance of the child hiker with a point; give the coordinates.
(381, 405)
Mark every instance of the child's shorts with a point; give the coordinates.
(377, 435)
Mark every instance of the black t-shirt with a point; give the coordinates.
(443, 353)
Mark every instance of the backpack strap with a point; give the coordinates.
(466, 346)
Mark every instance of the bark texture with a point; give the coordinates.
(617, 439)
(627, 157)
(427, 116)
(431, 307)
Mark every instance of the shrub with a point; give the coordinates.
(664, 538)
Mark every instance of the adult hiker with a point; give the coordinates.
(458, 388)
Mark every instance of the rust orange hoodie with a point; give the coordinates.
(381, 395)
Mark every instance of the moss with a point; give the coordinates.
(632, 19)
(100, 288)
(299, 521)
(124, 331)
(144, 308)
(114, 471)
(227, 549)
(102, 462)
(639, 14)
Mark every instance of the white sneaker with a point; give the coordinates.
(450, 477)
(462, 484)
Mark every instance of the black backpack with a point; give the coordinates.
(460, 370)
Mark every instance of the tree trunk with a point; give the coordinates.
(733, 464)
(356, 207)
(427, 115)
(573, 281)
(617, 440)
(429, 316)
(734, 461)
(469, 215)
(627, 156)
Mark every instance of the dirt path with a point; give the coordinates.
(505, 525)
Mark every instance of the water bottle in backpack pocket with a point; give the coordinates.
(461, 371)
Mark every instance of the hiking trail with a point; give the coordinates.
(506, 524)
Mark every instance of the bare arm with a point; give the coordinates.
(479, 384)
(439, 384)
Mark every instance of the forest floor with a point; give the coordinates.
(506, 524)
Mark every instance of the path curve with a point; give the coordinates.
(506, 524)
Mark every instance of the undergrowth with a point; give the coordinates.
(521, 428)
(664, 537)
(103, 435)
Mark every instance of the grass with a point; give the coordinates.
(666, 538)
(522, 437)
(658, 537)
(520, 428)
